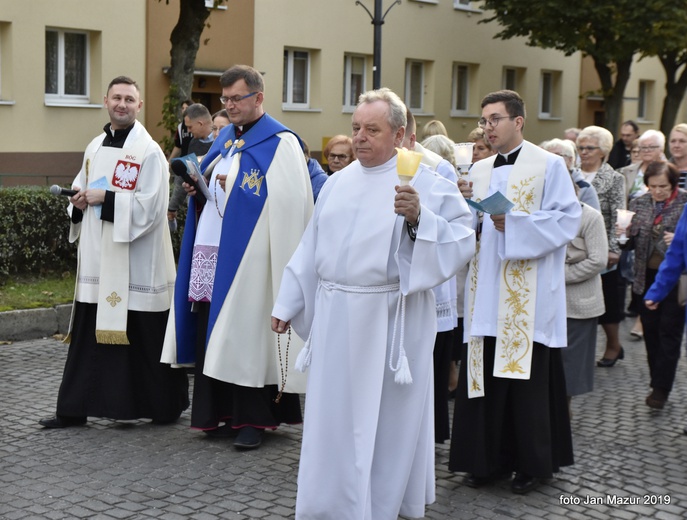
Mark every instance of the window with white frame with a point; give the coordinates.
(296, 85)
(355, 80)
(66, 66)
(460, 97)
(415, 85)
(462, 4)
(643, 101)
(549, 94)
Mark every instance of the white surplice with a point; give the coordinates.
(541, 235)
(368, 442)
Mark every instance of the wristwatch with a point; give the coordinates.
(412, 229)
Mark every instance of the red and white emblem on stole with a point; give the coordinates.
(126, 175)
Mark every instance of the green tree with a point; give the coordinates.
(611, 33)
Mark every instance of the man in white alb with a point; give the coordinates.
(360, 287)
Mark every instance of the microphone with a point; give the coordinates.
(179, 168)
(56, 190)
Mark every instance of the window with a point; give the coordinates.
(296, 86)
(415, 85)
(210, 4)
(66, 66)
(462, 4)
(510, 79)
(461, 84)
(550, 94)
(355, 68)
(643, 102)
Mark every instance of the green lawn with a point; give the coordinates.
(35, 292)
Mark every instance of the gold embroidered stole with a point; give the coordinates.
(113, 289)
(518, 283)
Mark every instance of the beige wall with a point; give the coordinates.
(56, 136)
(438, 34)
(61, 129)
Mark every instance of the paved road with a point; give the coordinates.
(625, 452)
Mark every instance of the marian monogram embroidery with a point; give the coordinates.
(126, 175)
(253, 181)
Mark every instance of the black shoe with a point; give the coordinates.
(657, 399)
(607, 362)
(522, 483)
(248, 438)
(222, 432)
(474, 481)
(60, 421)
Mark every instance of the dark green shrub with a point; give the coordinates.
(34, 232)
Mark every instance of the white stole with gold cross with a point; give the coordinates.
(518, 283)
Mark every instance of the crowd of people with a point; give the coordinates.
(379, 297)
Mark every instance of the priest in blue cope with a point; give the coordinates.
(233, 253)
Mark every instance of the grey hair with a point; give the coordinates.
(397, 108)
(567, 145)
(648, 134)
(442, 145)
(603, 137)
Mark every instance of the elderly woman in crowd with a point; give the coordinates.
(650, 146)
(677, 146)
(651, 232)
(339, 153)
(586, 257)
(593, 144)
(441, 145)
(566, 148)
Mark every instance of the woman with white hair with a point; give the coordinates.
(651, 146)
(566, 149)
(594, 144)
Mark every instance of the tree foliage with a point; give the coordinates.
(611, 33)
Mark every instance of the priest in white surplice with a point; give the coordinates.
(360, 287)
(511, 410)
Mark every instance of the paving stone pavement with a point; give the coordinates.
(624, 452)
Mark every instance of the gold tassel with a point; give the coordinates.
(68, 338)
(111, 337)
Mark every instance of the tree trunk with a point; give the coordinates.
(675, 92)
(613, 86)
(185, 40)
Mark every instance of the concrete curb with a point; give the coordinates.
(34, 323)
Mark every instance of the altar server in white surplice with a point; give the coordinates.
(511, 411)
(359, 286)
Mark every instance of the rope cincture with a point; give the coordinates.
(402, 368)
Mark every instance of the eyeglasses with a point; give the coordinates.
(337, 157)
(648, 148)
(235, 99)
(587, 148)
(492, 121)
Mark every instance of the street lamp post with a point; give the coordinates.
(377, 21)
